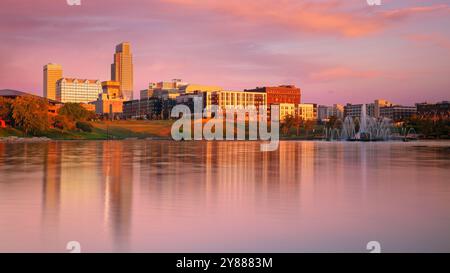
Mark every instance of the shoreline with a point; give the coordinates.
(16, 139)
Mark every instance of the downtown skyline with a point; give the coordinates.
(336, 51)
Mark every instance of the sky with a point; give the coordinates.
(336, 51)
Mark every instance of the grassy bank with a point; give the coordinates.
(106, 130)
(7, 132)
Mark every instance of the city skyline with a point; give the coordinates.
(337, 52)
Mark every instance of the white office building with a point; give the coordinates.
(77, 90)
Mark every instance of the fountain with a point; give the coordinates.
(370, 129)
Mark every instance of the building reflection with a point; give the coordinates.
(117, 180)
(51, 186)
(221, 172)
(77, 181)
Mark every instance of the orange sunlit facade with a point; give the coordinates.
(280, 94)
(122, 70)
(52, 73)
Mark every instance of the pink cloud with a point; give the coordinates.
(434, 39)
(332, 17)
(342, 73)
(407, 12)
(306, 16)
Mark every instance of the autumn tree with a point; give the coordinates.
(287, 124)
(76, 112)
(30, 114)
(6, 110)
(298, 122)
(309, 126)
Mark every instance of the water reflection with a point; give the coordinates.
(223, 196)
(117, 176)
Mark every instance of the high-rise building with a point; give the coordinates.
(77, 90)
(122, 70)
(52, 73)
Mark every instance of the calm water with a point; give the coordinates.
(162, 196)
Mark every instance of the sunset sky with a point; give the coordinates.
(337, 51)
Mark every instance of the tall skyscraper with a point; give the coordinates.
(52, 73)
(122, 70)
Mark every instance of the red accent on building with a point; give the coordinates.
(280, 94)
(2, 124)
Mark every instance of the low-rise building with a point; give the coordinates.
(196, 88)
(112, 89)
(307, 111)
(435, 110)
(147, 93)
(105, 105)
(151, 108)
(355, 110)
(235, 99)
(287, 109)
(397, 112)
(378, 104)
(53, 105)
(325, 112)
(88, 106)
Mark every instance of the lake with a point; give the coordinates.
(166, 196)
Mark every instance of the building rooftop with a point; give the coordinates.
(70, 80)
(15, 93)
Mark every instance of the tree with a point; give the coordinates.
(6, 110)
(332, 122)
(31, 114)
(430, 127)
(287, 124)
(298, 122)
(309, 126)
(76, 112)
(63, 123)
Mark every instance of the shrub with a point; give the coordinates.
(76, 112)
(63, 123)
(84, 126)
